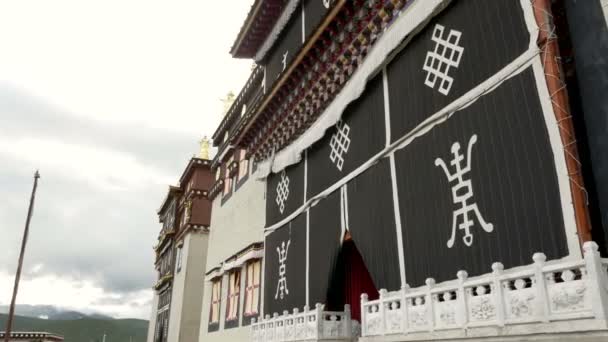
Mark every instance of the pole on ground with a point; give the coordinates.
(11, 313)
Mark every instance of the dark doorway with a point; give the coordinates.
(351, 279)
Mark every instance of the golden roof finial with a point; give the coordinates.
(205, 143)
(228, 101)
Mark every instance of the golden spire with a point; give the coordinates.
(227, 101)
(205, 143)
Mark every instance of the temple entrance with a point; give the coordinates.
(350, 279)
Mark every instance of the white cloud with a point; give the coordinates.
(108, 98)
(104, 168)
(165, 63)
(83, 296)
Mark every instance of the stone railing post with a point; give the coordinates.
(285, 318)
(254, 331)
(382, 308)
(319, 320)
(428, 302)
(541, 284)
(266, 321)
(364, 300)
(275, 326)
(296, 322)
(348, 323)
(597, 281)
(462, 310)
(404, 317)
(497, 269)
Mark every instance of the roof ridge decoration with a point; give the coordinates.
(276, 30)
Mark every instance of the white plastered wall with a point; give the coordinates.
(188, 290)
(235, 225)
(153, 313)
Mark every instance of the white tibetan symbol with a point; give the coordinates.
(282, 191)
(462, 192)
(446, 54)
(284, 60)
(282, 283)
(339, 144)
(326, 3)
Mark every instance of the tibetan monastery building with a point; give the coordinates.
(412, 170)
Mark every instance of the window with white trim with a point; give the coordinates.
(234, 287)
(216, 297)
(179, 258)
(228, 180)
(252, 287)
(243, 165)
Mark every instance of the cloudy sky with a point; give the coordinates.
(108, 98)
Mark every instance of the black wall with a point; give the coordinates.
(493, 35)
(367, 137)
(512, 170)
(513, 180)
(294, 234)
(589, 36)
(290, 41)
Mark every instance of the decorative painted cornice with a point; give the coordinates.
(318, 74)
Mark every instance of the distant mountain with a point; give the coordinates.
(50, 312)
(84, 329)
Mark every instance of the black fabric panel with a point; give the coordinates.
(371, 221)
(315, 11)
(213, 327)
(367, 134)
(325, 240)
(514, 185)
(293, 233)
(295, 194)
(231, 324)
(494, 33)
(290, 41)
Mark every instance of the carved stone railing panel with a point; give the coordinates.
(308, 325)
(537, 293)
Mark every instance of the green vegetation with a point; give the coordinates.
(85, 329)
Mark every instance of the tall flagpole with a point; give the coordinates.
(11, 313)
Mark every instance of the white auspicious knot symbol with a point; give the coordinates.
(462, 191)
(284, 60)
(339, 144)
(446, 55)
(282, 191)
(282, 284)
(326, 3)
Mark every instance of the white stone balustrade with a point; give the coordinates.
(309, 325)
(542, 292)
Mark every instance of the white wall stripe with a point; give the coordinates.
(346, 222)
(303, 23)
(342, 221)
(396, 209)
(308, 258)
(397, 212)
(387, 107)
(305, 174)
